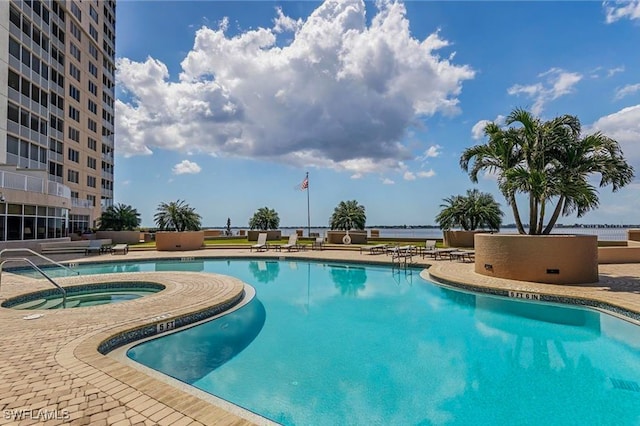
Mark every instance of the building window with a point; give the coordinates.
(73, 176)
(74, 92)
(76, 11)
(93, 51)
(92, 198)
(93, 32)
(74, 155)
(75, 52)
(74, 134)
(74, 71)
(92, 106)
(91, 163)
(74, 114)
(93, 69)
(91, 181)
(92, 144)
(75, 31)
(94, 14)
(93, 88)
(92, 125)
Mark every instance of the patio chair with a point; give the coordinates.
(95, 246)
(318, 244)
(124, 248)
(429, 248)
(375, 249)
(292, 244)
(261, 244)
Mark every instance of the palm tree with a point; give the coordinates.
(177, 216)
(348, 215)
(475, 210)
(550, 162)
(119, 218)
(264, 219)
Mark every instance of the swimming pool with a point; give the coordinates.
(329, 343)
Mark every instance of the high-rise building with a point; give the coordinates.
(57, 91)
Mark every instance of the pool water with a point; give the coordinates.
(85, 298)
(330, 343)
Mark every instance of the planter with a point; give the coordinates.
(271, 235)
(555, 259)
(357, 237)
(460, 238)
(179, 241)
(120, 237)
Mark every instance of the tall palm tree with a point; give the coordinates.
(264, 219)
(475, 210)
(177, 216)
(550, 162)
(119, 218)
(348, 215)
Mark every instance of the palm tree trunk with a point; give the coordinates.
(516, 213)
(543, 205)
(533, 214)
(554, 216)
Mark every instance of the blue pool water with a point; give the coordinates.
(331, 344)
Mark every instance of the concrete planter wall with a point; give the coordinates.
(252, 235)
(556, 259)
(460, 238)
(357, 237)
(120, 237)
(178, 241)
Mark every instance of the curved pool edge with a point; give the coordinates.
(467, 280)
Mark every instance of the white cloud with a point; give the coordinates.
(186, 167)
(477, 131)
(623, 126)
(617, 10)
(613, 71)
(433, 151)
(558, 83)
(387, 181)
(629, 89)
(340, 94)
(409, 175)
(426, 174)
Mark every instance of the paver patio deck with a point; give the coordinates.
(52, 373)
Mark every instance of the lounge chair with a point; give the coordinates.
(318, 244)
(375, 249)
(429, 248)
(292, 244)
(124, 248)
(261, 244)
(95, 246)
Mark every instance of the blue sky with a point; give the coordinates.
(227, 105)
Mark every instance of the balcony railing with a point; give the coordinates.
(29, 183)
(78, 202)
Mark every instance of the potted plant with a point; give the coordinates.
(347, 224)
(119, 223)
(178, 227)
(472, 212)
(550, 164)
(264, 220)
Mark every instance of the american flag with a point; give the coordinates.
(305, 184)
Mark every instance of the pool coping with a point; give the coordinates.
(70, 374)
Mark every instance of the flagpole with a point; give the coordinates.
(308, 211)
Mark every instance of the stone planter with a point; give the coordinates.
(460, 238)
(357, 237)
(179, 241)
(120, 237)
(555, 259)
(271, 235)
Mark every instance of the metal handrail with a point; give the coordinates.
(36, 267)
(24, 259)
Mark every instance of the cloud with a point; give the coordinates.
(426, 174)
(387, 181)
(629, 89)
(613, 71)
(409, 175)
(617, 10)
(623, 126)
(558, 83)
(477, 131)
(186, 167)
(340, 93)
(432, 152)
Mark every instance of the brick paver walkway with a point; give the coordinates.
(51, 372)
